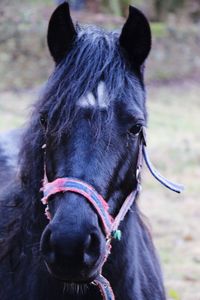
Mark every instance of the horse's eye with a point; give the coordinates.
(43, 121)
(136, 129)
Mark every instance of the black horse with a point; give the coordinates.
(86, 125)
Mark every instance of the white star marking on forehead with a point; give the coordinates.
(100, 101)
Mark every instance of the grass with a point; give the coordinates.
(173, 143)
(14, 108)
(158, 29)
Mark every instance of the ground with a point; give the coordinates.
(173, 143)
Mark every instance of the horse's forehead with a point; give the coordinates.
(99, 99)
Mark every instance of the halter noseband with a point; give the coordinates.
(87, 191)
(110, 225)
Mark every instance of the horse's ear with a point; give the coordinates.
(135, 38)
(61, 32)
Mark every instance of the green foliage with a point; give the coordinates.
(162, 7)
(39, 1)
(174, 294)
(175, 4)
(158, 29)
(117, 7)
(20, 2)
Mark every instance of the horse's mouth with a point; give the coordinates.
(80, 279)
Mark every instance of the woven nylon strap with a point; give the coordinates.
(101, 208)
(104, 287)
(87, 191)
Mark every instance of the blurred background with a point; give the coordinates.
(173, 86)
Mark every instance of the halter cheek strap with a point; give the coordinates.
(178, 188)
(110, 225)
(175, 187)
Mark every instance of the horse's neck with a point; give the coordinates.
(132, 268)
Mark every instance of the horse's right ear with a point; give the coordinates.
(135, 38)
(61, 32)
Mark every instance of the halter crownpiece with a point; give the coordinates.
(110, 225)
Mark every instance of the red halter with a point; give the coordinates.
(87, 191)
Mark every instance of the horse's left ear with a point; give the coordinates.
(61, 32)
(135, 38)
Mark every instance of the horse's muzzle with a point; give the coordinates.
(73, 257)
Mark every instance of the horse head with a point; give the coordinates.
(91, 119)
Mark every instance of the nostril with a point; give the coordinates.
(50, 257)
(92, 242)
(91, 249)
(46, 246)
(87, 242)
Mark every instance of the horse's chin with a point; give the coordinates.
(80, 279)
